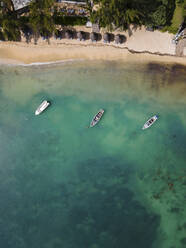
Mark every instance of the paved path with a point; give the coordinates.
(181, 47)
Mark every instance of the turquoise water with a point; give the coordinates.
(63, 185)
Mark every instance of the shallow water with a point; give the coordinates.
(65, 185)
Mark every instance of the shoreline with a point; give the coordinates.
(19, 54)
(141, 46)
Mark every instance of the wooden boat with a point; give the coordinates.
(42, 107)
(150, 122)
(97, 118)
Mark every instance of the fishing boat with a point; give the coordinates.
(42, 107)
(96, 118)
(150, 122)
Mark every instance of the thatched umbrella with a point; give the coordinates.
(81, 35)
(68, 34)
(106, 37)
(118, 39)
(93, 36)
(58, 34)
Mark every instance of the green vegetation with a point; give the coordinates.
(9, 22)
(184, 9)
(42, 16)
(39, 21)
(177, 19)
(70, 20)
(122, 13)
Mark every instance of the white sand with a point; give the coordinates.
(140, 41)
(155, 42)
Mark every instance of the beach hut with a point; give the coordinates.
(94, 37)
(106, 38)
(58, 34)
(118, 39)
(68, 34)
(81, 35)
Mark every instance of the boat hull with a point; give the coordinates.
(97, 118)
(150, 122)
(42, 107)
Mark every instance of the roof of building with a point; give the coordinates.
(19, 4)
(72, 2)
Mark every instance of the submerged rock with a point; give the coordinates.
(183, 241)
(175, 210)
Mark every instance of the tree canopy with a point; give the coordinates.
(9, 22)
(184, 9)
(121, 13)
(43, 15)
(40, 17)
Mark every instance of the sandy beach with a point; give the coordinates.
(140, 45)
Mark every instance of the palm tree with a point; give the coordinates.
(10, 29)
(9, 22)
(121, 13)
(131, 16)
(7, 6)
(41, 19)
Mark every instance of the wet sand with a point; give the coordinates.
(12, 52)
(140, 45)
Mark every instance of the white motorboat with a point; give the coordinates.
(97, 118)
(150, 122)
(42, 107)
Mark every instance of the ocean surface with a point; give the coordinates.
(64, 185)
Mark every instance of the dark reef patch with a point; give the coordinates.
(178, 69)
(155, 67)
(175, 210)
(166, 74)
(103, 212)
(183, 241)
(177, 143)
(162, 68)
(184, 225)
(95, 209)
